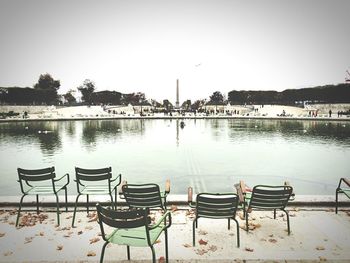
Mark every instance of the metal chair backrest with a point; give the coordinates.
(270, 197)
(216, 205)
(93, 175)
(123, 219)
(142, 195)
(36, 174)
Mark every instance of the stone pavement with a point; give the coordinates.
(316, 235)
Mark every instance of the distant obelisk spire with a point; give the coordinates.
(177, 104)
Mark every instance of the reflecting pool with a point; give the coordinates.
(207, 154)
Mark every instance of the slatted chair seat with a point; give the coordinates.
(41, 182)
(135, 237)
(132, 228)
(214, 206)
(343, 188)
(266, 197)
(95, 182)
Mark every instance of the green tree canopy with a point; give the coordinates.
(47, 82)
(69, 97)
(86, 90)
(217, 97)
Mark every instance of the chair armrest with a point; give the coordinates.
(66, 175)
(345, 180)
(167, 214)
(167, 187)
(114, 186)
(292, 196)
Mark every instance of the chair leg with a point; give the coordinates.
(37, 204)
(75, 209)
(66, 197)
(237, 225)
(103, 251)
(128, 252)
(196, 223)
(112, 204)
(194, 232)
(19, 209)
(274, 213)
(246, 221)
(287, 221)
(228, 224)
(166, 246)
(336, 201)
(153, 255)
(87, 203)
(58, 209)
(115, 198)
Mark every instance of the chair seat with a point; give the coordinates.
(43, 189)
(95, 190)
(135, 236)
(345, 191)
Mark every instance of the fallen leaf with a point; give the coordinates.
(202, 232)
(2, 234)
(94, 240)
(28, 240)
(8, 253)
(174, 208)
(213, 248)
(320, 248)
(157, 241)
(88, 227)
(249, 249)
(187, 245)
(80, 232)
(161, 259)
(202, 242)
(59, 247)
(322, 258)
(201, 251)
(91, 254)
(272, 240)
(69, 217)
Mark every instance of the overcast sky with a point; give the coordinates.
(146, 45)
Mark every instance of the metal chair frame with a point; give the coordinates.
(139, 230)
(266, 197)
(28, 179)
(216, 206)
(84, 178)
(342, 190)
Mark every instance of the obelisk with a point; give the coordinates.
(177, 104)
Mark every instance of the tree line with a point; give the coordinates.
(45, 91)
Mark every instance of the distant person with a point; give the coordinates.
(330, 113)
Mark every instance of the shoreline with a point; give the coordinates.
(340, 119)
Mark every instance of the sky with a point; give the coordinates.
(145, 45)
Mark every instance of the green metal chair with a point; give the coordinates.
(214, 206)
(41, 182)
(266, 197)
(145, 195)
(342, 189)
(95, 182)
(132, 229)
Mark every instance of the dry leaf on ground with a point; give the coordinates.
(272, 240)
(80, 232)
(201, 251)
(174, 208)
(249, 249)
(94, 240)
(320, 248)
(2, 234)
(161, 259)
(213, 248)
(187, 245)
(8, 253)
(202, 232)
(88, 227)
(59, 247)
(91, 254)
(202, 242)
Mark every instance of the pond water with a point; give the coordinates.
(209, 155)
